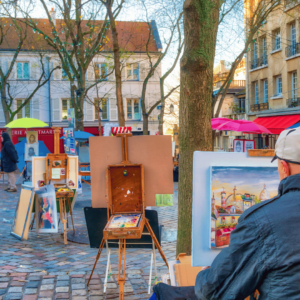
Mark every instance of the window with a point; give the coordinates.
(65, 105)
(266, 95)
(256, 92)
(254, 65)
(278, 86)
(100, 71)
(133, 109)
(242, 106)
(22, 70)
(104, 105)
(132, 71)
(277, 40)
(264, 51)
(293, 39)
(25, 111)
(294, 86)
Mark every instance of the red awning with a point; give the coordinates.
(278, 123)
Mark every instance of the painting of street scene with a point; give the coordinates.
(234, 190)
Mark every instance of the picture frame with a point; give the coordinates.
(46, 210)
(32, 137)
(238, 145)
(249, 145)
(31, 150)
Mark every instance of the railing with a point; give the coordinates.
(293, 102)
(292, 50)
(234, 83)
(259, 62)
(259, 106)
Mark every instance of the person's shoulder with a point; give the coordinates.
(253, 209)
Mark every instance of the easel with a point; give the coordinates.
(64, 197)
(130, 233)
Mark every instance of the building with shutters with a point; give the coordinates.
(272, 68)
(51, 102)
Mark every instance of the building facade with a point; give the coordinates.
(51, 102)
(273, 68)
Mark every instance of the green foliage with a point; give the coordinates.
(256, 200)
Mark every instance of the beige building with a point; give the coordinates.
(273, 72)
(233, 106)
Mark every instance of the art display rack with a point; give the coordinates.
(125, 195)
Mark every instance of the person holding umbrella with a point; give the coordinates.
(9, 159)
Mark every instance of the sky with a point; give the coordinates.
(246, 179)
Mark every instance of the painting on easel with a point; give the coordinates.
(234, 190)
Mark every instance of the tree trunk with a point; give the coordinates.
(79, 113)
(6, 112)
(162, 112)
(200, 30)
(145, 124)
(99, 122)
(117, 63)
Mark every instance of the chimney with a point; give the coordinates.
(53, 15)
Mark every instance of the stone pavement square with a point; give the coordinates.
(43, 268)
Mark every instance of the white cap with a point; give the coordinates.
(288, 146)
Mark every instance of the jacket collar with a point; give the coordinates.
(289, 183)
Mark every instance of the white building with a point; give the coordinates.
(51, 102)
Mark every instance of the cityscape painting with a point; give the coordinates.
(234, 190)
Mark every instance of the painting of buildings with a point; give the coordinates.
(234, 190)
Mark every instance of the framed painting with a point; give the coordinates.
(32, 137)
(238, 145)
(234, 190)
(46, 212)
(31, 150)
(249, 145)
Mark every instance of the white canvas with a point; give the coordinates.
(202, 253)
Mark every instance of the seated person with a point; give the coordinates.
(264, 249)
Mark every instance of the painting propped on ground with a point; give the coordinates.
(233, 190)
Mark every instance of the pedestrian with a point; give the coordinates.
(264, 248)
(9, 159)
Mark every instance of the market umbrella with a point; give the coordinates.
(243, 126)
(80, 136)
(26, 123)
(215, 122)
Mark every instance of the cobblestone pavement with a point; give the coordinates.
(44, 268)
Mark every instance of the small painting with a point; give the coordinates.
(249, 145)
(31, 150)
(32, 137)
(56, 163)
(62, 171)
(46, 213)
(238, 145)
(164, 200)
(234, 190)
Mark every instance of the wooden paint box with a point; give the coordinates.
(125, 197)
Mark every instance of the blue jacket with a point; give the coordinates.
(9, 156)
(264, 252)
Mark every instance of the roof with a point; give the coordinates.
(132, 36)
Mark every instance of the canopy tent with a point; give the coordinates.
(80, 136)
(277, 124)
(26, 123)
(20, 148)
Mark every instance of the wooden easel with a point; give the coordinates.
(130, 233)
(64, 197)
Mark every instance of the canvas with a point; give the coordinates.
(234, 190)
(249, 145)
(46, 212)
(238, 145)
(32, 137)
(31, 150)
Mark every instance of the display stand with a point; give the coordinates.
(125, 181)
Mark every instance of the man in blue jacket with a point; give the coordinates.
(264, 250)
(9, 159)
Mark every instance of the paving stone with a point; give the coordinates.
(62, 283)
(63, 277)
(78, 286)
(79, 293)
(46, 293)
(2, 291)
(4, 279)
(79, 298)
(3, 285)
(62, 289)
(45, 299)
(29, 297)
(96, 287)
(48, 281)
(78, 280)
(15, 290)
(32, 284)
(62, 296)
(13, 296)
(96, 292)
(137, 281)
(30, 291)
(96, 298)
(111, 285)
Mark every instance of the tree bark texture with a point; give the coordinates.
(145, 124)
(196, 79)
(162, 111)
(118, 71)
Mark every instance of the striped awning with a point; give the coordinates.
(116, 130)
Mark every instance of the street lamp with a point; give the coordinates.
(171, 108)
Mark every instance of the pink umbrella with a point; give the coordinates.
(215, 122)
(243, 126)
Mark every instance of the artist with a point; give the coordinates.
(264, 250)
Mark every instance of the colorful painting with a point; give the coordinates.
(124, 221)
(32, 137)
(234, 190)
(46, 213)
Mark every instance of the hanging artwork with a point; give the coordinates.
(238, 145)
(31, 150)
(249, 145)
(234, 190)
(46, 211)
(32, 137)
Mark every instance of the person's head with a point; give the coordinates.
(31, 151)
(5, 137)
(238, 146)
(287, 152)
(32, 139)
